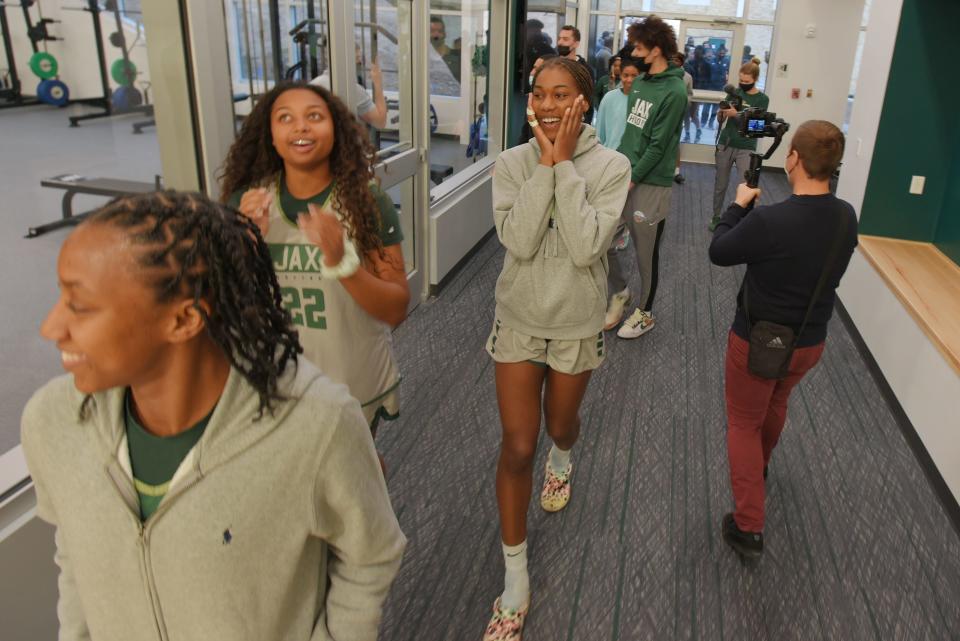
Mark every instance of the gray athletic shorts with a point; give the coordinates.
(565, 356)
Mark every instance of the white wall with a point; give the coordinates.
(823, 63)
(924, 383)
(76, 53)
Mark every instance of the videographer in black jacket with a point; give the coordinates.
(786, 247)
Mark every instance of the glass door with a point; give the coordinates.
(708, 47)
(375, 67)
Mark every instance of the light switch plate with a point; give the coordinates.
(916, 184)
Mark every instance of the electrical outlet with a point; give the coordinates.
(916, 184)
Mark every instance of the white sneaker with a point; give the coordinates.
(639, 323)
(615, 309)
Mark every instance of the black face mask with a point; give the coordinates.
(745, 87)
(563, 50)
(642, 65)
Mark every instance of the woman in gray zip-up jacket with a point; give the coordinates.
(557, 203)
(203, 484)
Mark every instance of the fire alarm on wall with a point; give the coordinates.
(795, 93)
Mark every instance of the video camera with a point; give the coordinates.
(732, 99)
(756, 122)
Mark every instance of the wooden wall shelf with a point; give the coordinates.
(928, 285)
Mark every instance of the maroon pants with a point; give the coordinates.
(756, 412)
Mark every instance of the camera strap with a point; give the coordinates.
(827, 268)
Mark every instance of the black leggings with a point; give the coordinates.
(654, 267)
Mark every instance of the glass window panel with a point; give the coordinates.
(37, 143)
(600, 44)
(629, 20)
(402, 196)
(719, 8)
(709, 64)
(459, 77)
(763, 10)
(604, 5)
(760, 40)
(381, 45)
(853, 79)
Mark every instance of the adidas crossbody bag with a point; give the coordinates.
(772, 344)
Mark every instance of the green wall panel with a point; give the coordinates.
(919, 128)
(948, 232)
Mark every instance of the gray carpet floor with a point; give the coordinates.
(857, 544)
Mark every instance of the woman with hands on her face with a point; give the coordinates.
(302, 170)
(557, 202)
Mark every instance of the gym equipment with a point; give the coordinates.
(43, 65)
(53, 92)
(11, 92)
(75, 184)
(126, 99)
(123, 72)
(307, 41)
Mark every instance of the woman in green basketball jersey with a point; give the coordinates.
(203, 483)
(302, 170)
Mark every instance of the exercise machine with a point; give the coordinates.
(50, 90)
(126, 98)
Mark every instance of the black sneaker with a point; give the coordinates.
(679, 179)
(749, 545)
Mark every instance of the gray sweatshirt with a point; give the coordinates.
(557, 224)
(279, 528)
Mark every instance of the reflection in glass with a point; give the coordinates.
(600, 44)
(759, 39)
(382, 50)
(459, 61)
(708, 62)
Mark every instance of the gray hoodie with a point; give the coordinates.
(279, 528)
(557, 224)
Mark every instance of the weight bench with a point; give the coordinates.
(75, 184)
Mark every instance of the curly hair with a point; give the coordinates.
(654, 32)
(254, 162)
(192, 246)
(581, 75)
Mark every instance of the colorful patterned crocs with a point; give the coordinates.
(556, 489)
(506, 624)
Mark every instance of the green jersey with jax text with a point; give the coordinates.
(652, 137)
(338, 336)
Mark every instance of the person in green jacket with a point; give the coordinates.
(204, 483)
(732, 148)
(651, 142)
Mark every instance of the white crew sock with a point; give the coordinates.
(516, 582)
(676, 170)
(559, 459)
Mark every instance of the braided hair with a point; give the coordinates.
(581, 75)
(254, 162)
(192, 246)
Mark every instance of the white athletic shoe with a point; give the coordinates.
(615, 309)
(639, 323)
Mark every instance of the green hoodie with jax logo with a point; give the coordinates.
(652, 137)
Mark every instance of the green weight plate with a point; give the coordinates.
(123, 72)
(43, 65)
